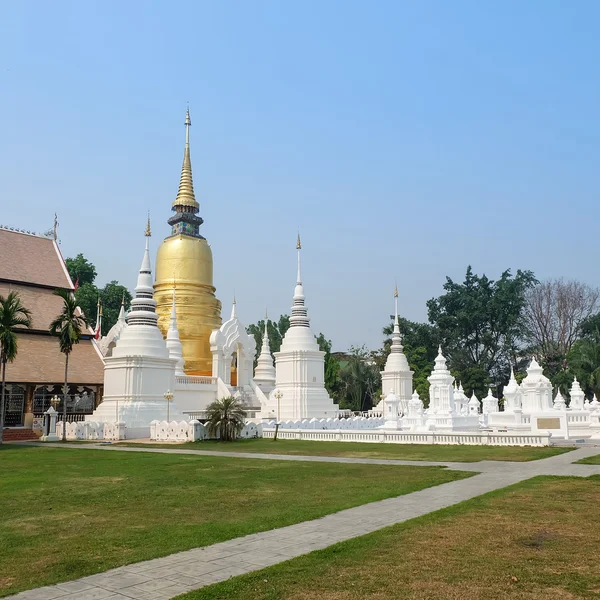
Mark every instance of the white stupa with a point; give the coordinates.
(264, 374)
(173, 342)
(299, 369)
(396, 376)
(536, 390)
(140, 369)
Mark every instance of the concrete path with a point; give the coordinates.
(165, 578)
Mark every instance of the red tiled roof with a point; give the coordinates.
(39, 360)
(32, 259)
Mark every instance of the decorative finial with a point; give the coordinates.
(396, 291)
(148, 231)
(439, 348)
(234, 301)
(55, 228)
(298, 243)
(188, 120)
(123, 300)
(266, 315)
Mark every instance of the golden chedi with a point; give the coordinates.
(184, 266)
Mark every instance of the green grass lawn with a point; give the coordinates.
(361, 450)
(66, 512)
(537, 540)
(590, 460)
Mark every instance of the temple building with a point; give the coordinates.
(184, 264)
(33, 266)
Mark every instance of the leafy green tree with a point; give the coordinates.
(360, 381)
(87, 293)
(81, 270)
(67, 327)
(13, 315)
(225, 418)
(112, 295)
(481, 326)
(332, 367)
(584, 362)
(275, 330)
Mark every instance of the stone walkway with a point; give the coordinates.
(164, 578)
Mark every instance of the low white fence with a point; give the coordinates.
(91, 430)
(324, 424)
(193, 431)
(483, 438)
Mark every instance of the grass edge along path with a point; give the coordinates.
(416, 452)
(590, 460)
(516, 542)
(65, 514)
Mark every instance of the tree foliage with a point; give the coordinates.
(87, 294)
(225, 418)
(480, 324)
(81, 270)
(554, 312)
(359, 381)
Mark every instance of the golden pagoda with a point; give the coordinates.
(184, 263)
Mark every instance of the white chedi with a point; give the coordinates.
(536, 390)
(559, 402)
(396, 376)
(173, 342)
(414, 419)
(140, 370)
(299, 368)
(474, 405)
(264, 374)
(391, 410)
(577, 396)
(109, 341)
(512, 394)
(490, 404)
(441, 390)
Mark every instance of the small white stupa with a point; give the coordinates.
(173, 342)
(109, 341)
(299, 369)
(396, 377)
(140, 370)
(512, 394)
(536, 390)
(264, 374)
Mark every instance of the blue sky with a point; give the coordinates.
(406, 140)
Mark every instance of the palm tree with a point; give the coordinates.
(12, 314)
(67, 327)
(226, 418)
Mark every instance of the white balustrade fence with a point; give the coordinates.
(91, 430)
(324, 424)
(193, 431)
(405, 437)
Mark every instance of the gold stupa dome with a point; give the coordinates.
(184, 262)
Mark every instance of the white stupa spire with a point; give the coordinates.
(173, 341)
(440, 361)
(143, 306)
(396, 347)
(233, 308)
(265, 371)
(299, 316)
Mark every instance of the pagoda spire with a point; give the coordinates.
(185, 194)
(299, 317)
(396, 347)
(143, 306)
(186, 220)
